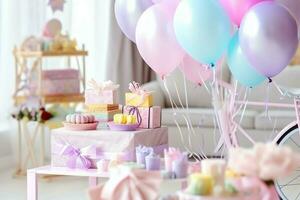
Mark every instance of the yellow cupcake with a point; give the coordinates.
(120, 119)
(131, 119)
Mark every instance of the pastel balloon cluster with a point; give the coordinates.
(259, 37)
(80, 118)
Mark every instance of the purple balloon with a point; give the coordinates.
(269, 38)
(294, 7)
(128, 13)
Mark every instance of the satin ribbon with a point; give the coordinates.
(107, 85)
(133, 110)
(126, 184)
(78, 158)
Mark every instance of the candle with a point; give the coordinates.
(180, 166)
(141, 153)
(216, 168)
(152, 162)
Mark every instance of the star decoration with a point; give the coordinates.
(57, 5)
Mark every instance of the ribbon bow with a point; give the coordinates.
(78, 158)
(136, 88)
(128, 184)
(133, 110)
(107, 85)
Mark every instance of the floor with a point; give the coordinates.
(59, 188)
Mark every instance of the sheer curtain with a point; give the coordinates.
(85, 20)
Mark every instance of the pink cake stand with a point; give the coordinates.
(122, 127)
(80, 127)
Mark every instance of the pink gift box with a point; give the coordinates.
(100, 97)
(150, 116)
(59, 82)
(108, 143)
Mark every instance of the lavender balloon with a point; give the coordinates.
(128, 13)
(294, 7)
(268, 38)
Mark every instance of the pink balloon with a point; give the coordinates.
(194, 71)
(155, 38)
(236, 9)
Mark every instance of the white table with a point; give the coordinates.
(92, 174)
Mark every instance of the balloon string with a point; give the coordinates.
(173, 104)
(267, 102)
(187, 119)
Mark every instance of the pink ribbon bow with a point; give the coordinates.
(128, 184)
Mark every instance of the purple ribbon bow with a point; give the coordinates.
(134, 110)
(77, 158)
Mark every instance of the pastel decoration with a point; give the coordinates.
(56, 5)
(170, 155)
(126, 184)
(203, 29)
(131, 119)
(240, 66)
(128, 13)
(80, 118)
(195, 71)
(200, 184)
(141, 153)
(138, 96)
(147, 117)
(180, 166)
(237, 9)
(102, 165)
(152, 162)
(52, 28)
(215, 168)
(156, 40)
(268, 48)
(101, 92)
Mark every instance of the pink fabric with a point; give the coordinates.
(100, 97)
(151, 117)
(58, 74)
(110, 142)
(128, 185)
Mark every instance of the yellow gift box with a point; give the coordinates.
(132, 99)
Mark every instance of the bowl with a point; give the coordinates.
(122, 127)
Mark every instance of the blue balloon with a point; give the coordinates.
(240, 66)
(203, 29)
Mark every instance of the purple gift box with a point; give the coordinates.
(150, 116)
(76, 148)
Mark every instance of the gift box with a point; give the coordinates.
(101, 93)
(100, 97)
(133, 99)
(60, 82)
(102, 144)
(101, 107)
(150, 117)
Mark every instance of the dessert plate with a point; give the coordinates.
(122, 127)
(80, 127)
